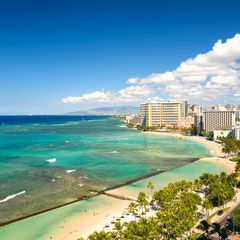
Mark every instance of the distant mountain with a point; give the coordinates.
(118, 110)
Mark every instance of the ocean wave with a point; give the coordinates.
(114, 152)
(83, 177)
(65, 124)
(67, 141)
(70, 170)
(12, 196)
(51, 160)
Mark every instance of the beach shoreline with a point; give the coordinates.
(214, 148)
(85, 223)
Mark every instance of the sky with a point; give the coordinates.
(62, 56)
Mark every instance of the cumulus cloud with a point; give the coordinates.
(153, 78)
(135, 91)
(98, 96)
(129, 94)
(206, 77)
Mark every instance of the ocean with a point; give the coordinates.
(48, 161)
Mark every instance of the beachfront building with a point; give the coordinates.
(236, 133)
(194, 110)
(162, 113)
(133, 119)
(198, 124)
(218, 120)
(221, 133)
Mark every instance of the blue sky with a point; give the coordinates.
(50, 50)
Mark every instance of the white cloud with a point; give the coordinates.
(155, 99)
(200, 77)
(153, 78)
(133, 80)
(206, 77)
(134, 93)
(137, 90)
(237, 94)
(98, 96)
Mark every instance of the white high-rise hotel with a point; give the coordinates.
(160, 113)
(218, 120)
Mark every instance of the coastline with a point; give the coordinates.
(77, 223)
(214, 147)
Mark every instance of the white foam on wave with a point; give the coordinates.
(51, 160)
(12, 196)
(120, 138)
(114, 152)
(83, 177)
(67, 141)
(65, 124)
(70, 170)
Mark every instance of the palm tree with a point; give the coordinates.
(118, 227)
(132, 208)
(100, 236)
(207, 205)
(142, 201)
(150, 187)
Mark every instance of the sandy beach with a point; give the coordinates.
(93, 221)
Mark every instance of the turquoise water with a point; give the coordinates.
(92, 153)
(50, 224)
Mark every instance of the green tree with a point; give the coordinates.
(207, 205)
(209, 135)
(144, 229)
(142, 202)
(100, 236)
(150, 187)
(132, 208)
(118, 227)
(236, 219)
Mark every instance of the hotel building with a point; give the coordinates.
(161, 113)
(218, 120)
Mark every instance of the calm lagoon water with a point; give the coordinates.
(46, 161)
